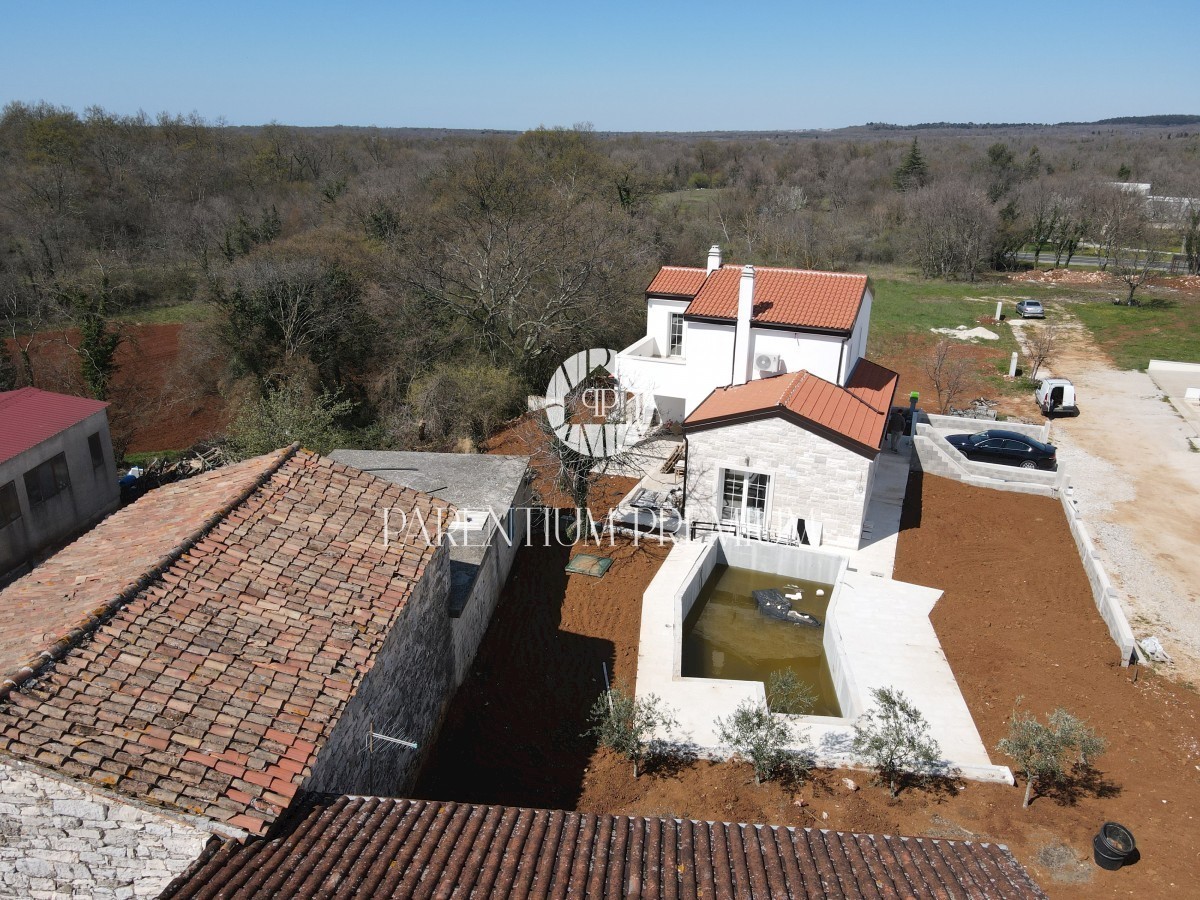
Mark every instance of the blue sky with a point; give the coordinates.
(622, 65)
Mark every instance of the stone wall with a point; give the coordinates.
(405, 695)
(61, 838)
(935, 456)
(811, 477)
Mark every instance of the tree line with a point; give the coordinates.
(414, 288)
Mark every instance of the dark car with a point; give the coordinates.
(1030, 309)
(1007, 448)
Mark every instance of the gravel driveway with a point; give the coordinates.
(1137, 483)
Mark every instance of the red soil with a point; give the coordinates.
(159, 398)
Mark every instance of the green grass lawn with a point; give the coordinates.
(1161, 328)
(171, 314)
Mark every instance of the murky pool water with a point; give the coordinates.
(725, 635)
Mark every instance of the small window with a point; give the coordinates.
(97, 449)
(48, 480)
(10, 507)
(675, 346)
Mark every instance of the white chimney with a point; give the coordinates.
(741, 336)
(714, 259)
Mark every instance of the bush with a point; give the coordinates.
(287, 414)
(762, 739)
(787, 694)
(627, 725)
(1047, 752)
(894, 739)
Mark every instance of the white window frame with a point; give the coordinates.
(742, 520)
(674, 349)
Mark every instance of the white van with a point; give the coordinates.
(1056, 397)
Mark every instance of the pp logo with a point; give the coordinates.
(585, 386)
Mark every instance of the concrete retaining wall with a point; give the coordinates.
(935, 455)
(1167, 365)
(970, 426)
(62, 838)
(1108, 600)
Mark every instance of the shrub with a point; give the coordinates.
(761, 738)
(787, 694)
(627, 725)
(894, 738)
(1044, 752)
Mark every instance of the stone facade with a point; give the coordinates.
(405, 695)
(60, 839)
(812, 477)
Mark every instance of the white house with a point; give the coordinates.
(721, 325)
(790, 457)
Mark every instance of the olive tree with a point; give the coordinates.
(1047, 752)
(629, 725)
(894, 738)
(762, 738)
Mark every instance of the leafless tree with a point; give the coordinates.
(948, 371)
(1040, 344)
(951, 229)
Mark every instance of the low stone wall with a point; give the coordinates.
(60, 838)
(935, 455)
(1108, 600)
(970, 426)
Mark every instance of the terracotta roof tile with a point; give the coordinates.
(677, 281)
(214, 686)
(857, 411)
(382, 847)
(826, 301)
(43, 607)
(29, 416)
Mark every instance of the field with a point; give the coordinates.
(516, 731)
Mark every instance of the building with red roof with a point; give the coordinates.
(721, 325)
(57, 472)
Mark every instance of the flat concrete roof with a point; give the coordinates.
(470, 481)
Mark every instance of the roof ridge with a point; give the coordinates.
(98, 616)
(799, 271)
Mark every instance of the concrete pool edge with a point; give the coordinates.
(866, 612)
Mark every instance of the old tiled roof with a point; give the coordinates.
(373, 847)
(824, 301)
(677, 281)
(29, 416)
(213, 688)
(857, 411)
(105, 566)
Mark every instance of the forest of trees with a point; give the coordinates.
(419, 286)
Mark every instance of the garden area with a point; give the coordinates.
(1013, 625)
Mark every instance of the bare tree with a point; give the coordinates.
(951, 230)
(1040, 345)
(948, 370)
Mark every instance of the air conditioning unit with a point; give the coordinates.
(766, 362)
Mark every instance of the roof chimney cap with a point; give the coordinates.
(714, 258)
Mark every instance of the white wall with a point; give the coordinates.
(658, 321)
(811, 477)
(818, 353)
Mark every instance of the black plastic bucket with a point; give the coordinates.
(1112, 846)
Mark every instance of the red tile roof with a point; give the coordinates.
(108, 564)
(380, 847)
(857, 411)
(217, 679)
(826, 301)
(677, 281)
(29, 416)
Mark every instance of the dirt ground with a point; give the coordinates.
(158, 404)
(1012, 623)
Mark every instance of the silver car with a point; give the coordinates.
(1030, 309)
